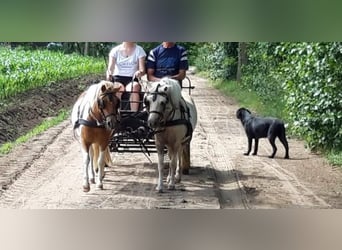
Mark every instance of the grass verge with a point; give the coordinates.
(249, 99)
(335, 158)
(46, 124)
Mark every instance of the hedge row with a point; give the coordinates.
(306, 77)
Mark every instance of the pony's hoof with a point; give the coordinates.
(92, 180)
(171, 187)
(185, 171)
(99, 186)
(177, 179)
(159, 190)
(86, 189)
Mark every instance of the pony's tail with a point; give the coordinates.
(76, 125)
(107, 159)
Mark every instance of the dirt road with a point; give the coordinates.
(46, 171)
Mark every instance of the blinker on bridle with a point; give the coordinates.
(156, 93)
(102, 105)
(154, 98)
(100, 100)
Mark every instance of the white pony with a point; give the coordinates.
(94, 117)
(173, 117)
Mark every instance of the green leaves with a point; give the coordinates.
(21, 70)
(313, 93)
(261, 75)
(219, 59)
(308, 78)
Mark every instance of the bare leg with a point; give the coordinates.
(134, 96)
(121, 90)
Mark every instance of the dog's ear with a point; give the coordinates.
(244, 110)
(238, 113)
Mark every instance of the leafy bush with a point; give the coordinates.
(307, 78)
(260, 75)
(313, 87)
(217, 59)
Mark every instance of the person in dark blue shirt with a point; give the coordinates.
(167, 60)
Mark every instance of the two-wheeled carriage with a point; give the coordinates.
(133, 134)
(164, 122)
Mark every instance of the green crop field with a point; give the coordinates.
(21, 69)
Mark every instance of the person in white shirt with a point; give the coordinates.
(127, 64)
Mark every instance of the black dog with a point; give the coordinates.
(257, 127)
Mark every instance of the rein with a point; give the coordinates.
(91, 124)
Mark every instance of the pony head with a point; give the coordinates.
(164, 96)
(106, 104)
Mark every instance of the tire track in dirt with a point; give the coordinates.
(302, 195)
(213, 116)
(41, 169)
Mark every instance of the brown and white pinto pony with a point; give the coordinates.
(94, 117)
(173, 117)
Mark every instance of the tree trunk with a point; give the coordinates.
(86, 48)
(242, 59)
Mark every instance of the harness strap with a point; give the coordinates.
(92, 124)
(181, 122)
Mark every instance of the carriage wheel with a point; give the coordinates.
(186, 159)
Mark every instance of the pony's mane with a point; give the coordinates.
(170, 87)
(94, 92)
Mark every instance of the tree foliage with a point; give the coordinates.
(219, 59)
(312, 74)
(305, 77)
(261, 72)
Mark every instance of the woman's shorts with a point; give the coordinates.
(125, 80)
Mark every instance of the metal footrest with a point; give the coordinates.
(126, 144)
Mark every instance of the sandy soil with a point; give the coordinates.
(46, 171)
